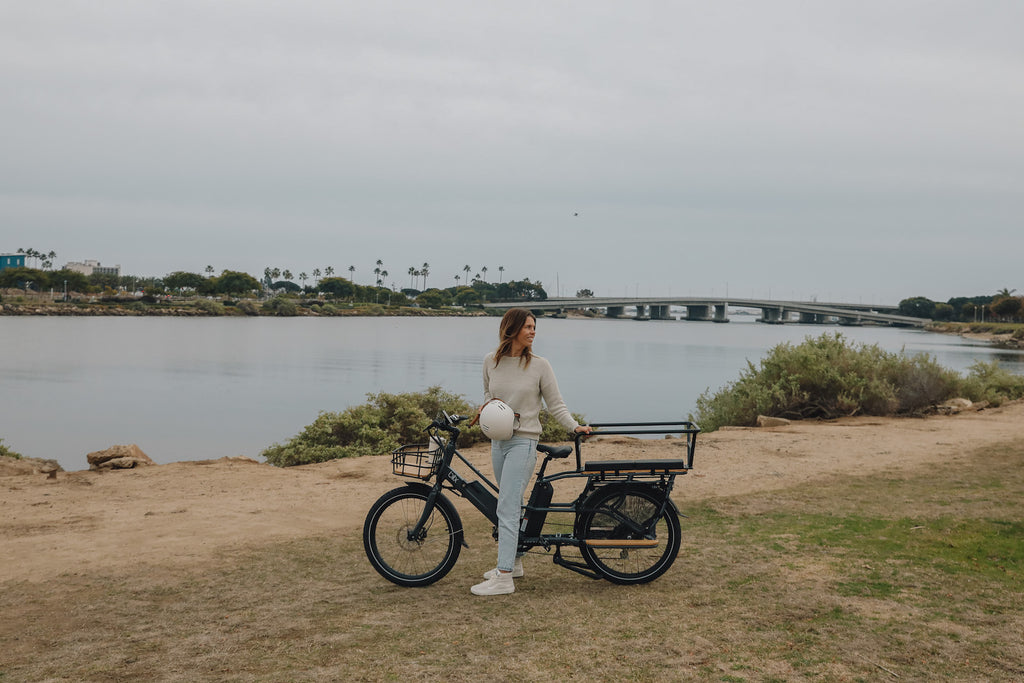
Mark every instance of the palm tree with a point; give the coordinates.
(29, 253)
(456, 282)
(501, 270)
(286, 274)
(209, 271)
(328, 271)
(276, 273)
(466, 270)
(412, 274)
(303, 277)
(425, 271)
(484, 271)
(351, 272)
(316, 276)
(1005, 293)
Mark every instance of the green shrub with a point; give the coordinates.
(210, 307)
(989, 382)
(281, 306)
(382, 424)
(827, 378)
(247, 307)
(4, 450)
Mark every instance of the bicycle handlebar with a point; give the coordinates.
(449, 422)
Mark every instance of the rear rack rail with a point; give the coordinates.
(618, 468)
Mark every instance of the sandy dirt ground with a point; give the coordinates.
(187, 514)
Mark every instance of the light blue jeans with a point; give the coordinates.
(513, 461)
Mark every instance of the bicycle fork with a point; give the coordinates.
(473, 491)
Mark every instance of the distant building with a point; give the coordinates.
(12, 261)
(90, 267)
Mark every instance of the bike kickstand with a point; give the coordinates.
(578, 567)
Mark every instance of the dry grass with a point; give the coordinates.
(881, 577)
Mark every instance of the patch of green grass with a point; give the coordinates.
(992, 548)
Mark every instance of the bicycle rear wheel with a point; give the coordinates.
(412, 561)
(625, 540)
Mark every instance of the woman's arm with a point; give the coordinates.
(487, 378)
(554, 401)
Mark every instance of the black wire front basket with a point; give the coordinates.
(419, 460)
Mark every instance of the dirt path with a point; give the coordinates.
(186, 514)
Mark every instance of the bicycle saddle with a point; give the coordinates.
(555, 451)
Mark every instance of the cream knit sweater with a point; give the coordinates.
(523, 388)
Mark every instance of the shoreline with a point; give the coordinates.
(138, 309)
(187, 513)
(1001, 335)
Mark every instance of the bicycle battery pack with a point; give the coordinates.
(482, 499)
(540, 498)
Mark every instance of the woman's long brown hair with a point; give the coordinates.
(511, 323)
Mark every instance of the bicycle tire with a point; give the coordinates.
(603, 519)
(412, 562)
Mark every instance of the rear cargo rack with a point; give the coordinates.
(629, 468)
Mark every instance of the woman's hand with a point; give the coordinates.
(584, 429)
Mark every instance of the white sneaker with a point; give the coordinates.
(501, 584)
(517, 570)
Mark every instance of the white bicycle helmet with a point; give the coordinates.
(497, 420)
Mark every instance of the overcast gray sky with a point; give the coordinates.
(852, 150)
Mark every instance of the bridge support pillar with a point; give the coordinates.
(614, 311)
(812, 318)
(721, 313)
(773, 316)
(698, 312)
(641, 312)
(660, 313)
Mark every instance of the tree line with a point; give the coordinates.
(1003, 306)
(237, 284)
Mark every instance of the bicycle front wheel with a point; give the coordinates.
(624, 538)
(398, 555)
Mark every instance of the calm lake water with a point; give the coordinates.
(191, 389)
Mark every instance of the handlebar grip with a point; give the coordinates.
(449, 425)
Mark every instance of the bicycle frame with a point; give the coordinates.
(657, 476)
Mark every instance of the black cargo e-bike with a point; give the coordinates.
(623, 524)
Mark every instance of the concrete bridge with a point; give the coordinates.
(717, 310)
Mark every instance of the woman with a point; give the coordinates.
(522, 380)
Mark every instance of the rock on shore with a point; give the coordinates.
(118, 458)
